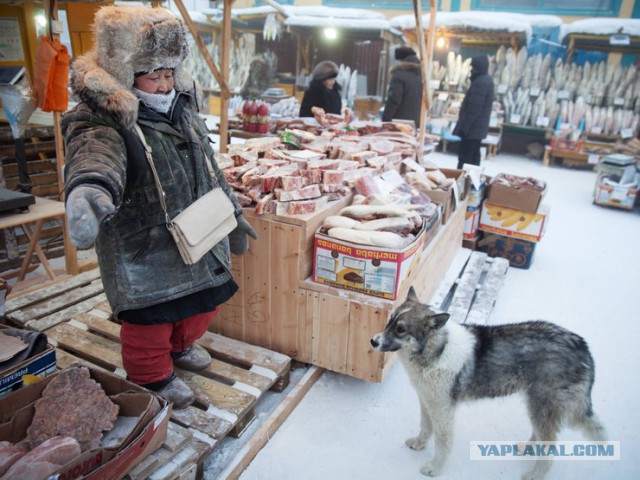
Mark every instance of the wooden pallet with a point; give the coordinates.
(470, 289)
(78, 321)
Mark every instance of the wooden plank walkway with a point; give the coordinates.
(470, 289)
(78, 321)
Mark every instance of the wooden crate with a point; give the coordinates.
(280, 308)
(264, 311)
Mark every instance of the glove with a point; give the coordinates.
(86, 208)
(238, 241)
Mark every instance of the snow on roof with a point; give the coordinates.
(319, 11)
(602, 26)
(493, 21)
(351, 23)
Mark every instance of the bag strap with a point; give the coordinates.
(147, 151)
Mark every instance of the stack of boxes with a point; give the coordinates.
(617, 182)
(512, 221)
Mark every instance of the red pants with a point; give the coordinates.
(146, 349)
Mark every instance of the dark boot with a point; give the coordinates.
(178, 393)
(194, 358)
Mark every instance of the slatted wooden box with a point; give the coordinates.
(280, 308)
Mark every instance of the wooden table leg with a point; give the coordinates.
(33, 237)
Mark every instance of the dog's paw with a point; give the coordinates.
(430, 470)
(416, 443)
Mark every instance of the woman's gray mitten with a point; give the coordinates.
(86, 208)
(238, 241)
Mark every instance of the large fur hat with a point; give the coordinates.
(403, 52)
(325, 70)
(132, 40)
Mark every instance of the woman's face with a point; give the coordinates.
(329, 83)
(158, 82)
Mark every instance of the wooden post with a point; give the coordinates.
(224, 64)
(426, 65)
(70, 254)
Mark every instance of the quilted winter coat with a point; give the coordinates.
(139, 261)
(404, 97)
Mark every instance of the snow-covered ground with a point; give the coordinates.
(585, 276)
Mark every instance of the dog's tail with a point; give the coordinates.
(587, 421)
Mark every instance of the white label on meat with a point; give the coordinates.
(618, 101)
(515, 118)
(542, 121)
(626, 133)
(502, 88)
(413, 165)
(534, 92)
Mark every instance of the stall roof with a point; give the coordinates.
(602, 26)
(468, 21)
(311, 17)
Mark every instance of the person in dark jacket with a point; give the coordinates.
(473, 121)
(404, 97)
(323, 91)
(134, 75)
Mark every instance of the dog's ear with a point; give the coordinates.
(412, 296)
(439, 320)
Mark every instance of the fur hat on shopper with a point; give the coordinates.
(325, 70)
(404, 52)
(130, 40)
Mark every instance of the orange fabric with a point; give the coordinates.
(52, 75)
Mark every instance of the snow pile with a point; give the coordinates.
(319, 11)
(602, 26)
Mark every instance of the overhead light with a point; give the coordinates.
(441, 42)
(330, 33)
(41, 21)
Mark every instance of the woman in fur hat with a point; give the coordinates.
(133, 75)
(404, 97)
(323, 91)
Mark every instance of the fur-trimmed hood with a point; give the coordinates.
(129, 40)
(407, 65)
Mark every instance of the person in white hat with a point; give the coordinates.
(135, 74)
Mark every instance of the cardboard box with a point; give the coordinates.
(471, 221)
(471, 244)
(518, 252)
(450, 199)
(153, 412)
(523, 199)
(514, 223)
(619, 196)
(40, 365)
(362, 268)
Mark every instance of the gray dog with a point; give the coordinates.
(448, 363)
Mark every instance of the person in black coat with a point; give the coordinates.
(404, 97)
(475, 111)
(323, 91)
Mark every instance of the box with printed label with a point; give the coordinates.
(105, 462)
(620, 196)
(363, 268)
(39, 365)
(471, 221)
(514, 223)
(518, 252)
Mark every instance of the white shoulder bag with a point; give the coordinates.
(198, 228)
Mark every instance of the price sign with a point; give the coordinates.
(542, 122)
(619, 193)
(563, 95)
(515, 118)
(442, 96)
(565, 126)
(534, 92)
(596, 130)
(502, 88)
(618, 101)
(493, 122)
(434, 84)
(593, 158)
(626, 133)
